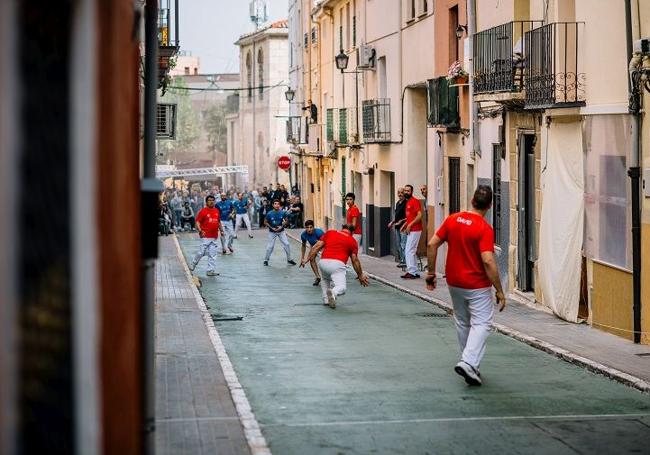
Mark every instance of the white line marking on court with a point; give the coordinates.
(252, 431)
(459, 419)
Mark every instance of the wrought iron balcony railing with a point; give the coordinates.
(297, 130)
(342, 126)
(499, 57)
(376, 120)
(554, 73)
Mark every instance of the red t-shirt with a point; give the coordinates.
(354, 212)
(467, 235)
(413, 207)
(339, 245)
(209, 219)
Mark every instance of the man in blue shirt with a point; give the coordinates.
(276, 220)
(226, 208)
(241, 207)
(311, 235)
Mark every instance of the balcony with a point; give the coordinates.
(443, 104)
(499, 57)
(376, 121)
(342, 126)
(297, 130)
(168, 42)
(553, 71)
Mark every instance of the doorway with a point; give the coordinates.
(370, 213)
(526, 212)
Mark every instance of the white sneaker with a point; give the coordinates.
(331, 299)
(191, 266)
(468, 372)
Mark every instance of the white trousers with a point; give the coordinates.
(411, 252)
(332, 273)
(357, 237)
(283, 240)
(228, 234)
(209, 246)
(473, 313)
(247, 222)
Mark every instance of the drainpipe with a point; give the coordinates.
(474, 128)
(634, 171)
(150, 189)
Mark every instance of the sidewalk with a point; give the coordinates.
(195, 413)
(580, 344)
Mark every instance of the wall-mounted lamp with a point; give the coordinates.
(460, 30)
(289, 94)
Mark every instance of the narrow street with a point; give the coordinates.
(376, 374)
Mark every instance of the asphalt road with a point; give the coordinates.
(375, 376)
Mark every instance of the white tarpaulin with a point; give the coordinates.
(562, 219)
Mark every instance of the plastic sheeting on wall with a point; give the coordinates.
(562, 220)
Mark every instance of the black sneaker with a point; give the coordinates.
(400, 265)
(410, 276)
(266, 263)
(471, 375)
(291, 262)
(316, 282)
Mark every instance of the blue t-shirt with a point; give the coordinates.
(313, 237)
(275, 218)
(241, 206)
(225, 207)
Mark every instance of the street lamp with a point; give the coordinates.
(289, 94)
(342, 61)
(460, 30)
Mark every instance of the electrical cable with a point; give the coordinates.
(238, 89)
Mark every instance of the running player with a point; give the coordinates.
(226, 208)
(311, 235)
(276, 220)
(353, 217)
(241, 206)
(338, 247)
(471, 271)
(208, 223)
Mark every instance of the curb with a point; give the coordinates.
(252, 432)
(563, 354)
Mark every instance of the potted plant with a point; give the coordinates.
(456, 74)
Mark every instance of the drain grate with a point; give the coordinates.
(433, 315)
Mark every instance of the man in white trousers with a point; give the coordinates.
(471, 271)
(338, 247)
(276, 220)
(241, 207)
(412, 227)
(227, 210)
(208, 223)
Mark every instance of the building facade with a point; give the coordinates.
(534, 112)
(263, 109)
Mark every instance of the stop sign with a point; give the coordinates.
(284, 162)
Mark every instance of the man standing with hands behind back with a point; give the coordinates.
(471, 271)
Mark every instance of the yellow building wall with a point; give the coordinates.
(611, 300)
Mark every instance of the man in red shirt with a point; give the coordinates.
(413, 229)
(338, 247)
(353, 217)
(471, 271)
(209, 225)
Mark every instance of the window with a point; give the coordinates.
(341, 29)
(249, 75)
(496, 192)
(314, 35)
(443, 103)
(354, 23)
(187, 70)
(425, 6)
(410, 14)
(453, 40)
(306, 40)
(454, 185)
(260, 70)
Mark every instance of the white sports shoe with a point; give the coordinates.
(468, 372)
(331, 299)
(191, 266)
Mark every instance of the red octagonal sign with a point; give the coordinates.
(284, 162)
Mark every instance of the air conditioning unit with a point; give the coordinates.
(365, 56)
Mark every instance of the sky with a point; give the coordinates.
(208, 29)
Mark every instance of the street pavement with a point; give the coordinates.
(376, 374)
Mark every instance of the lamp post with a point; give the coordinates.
(342, 60)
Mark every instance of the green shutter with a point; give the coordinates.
(330, 125)
(343, 126)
